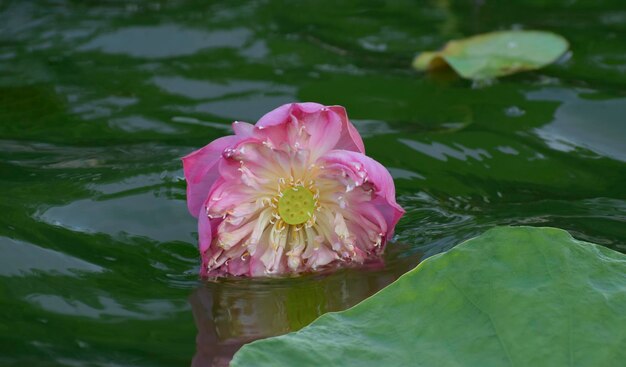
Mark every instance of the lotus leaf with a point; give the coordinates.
(514, 296)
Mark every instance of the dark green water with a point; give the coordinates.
(98, 100)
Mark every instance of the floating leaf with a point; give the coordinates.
(514, 296)
(496, 54)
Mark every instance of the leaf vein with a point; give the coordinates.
(493, 324)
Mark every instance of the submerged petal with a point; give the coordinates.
(205, 238)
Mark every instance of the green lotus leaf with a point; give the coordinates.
(514, 296)
(496, 54)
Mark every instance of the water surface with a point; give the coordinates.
(99, 100)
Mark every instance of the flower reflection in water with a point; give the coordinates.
(231, 312)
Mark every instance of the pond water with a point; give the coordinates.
(99, 100)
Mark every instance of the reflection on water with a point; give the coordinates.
(124, 214)
(571, 128)
(231, 313)
(21, 259)
(165, 41)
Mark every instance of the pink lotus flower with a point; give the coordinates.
(293, 193)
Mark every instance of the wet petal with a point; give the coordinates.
(242, 180)
(281, 115)
(324, 128)
(205, 238)
(201, 171)
(350, 138)
(364, 169)
(243, 129)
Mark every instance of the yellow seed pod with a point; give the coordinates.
(296, 205)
